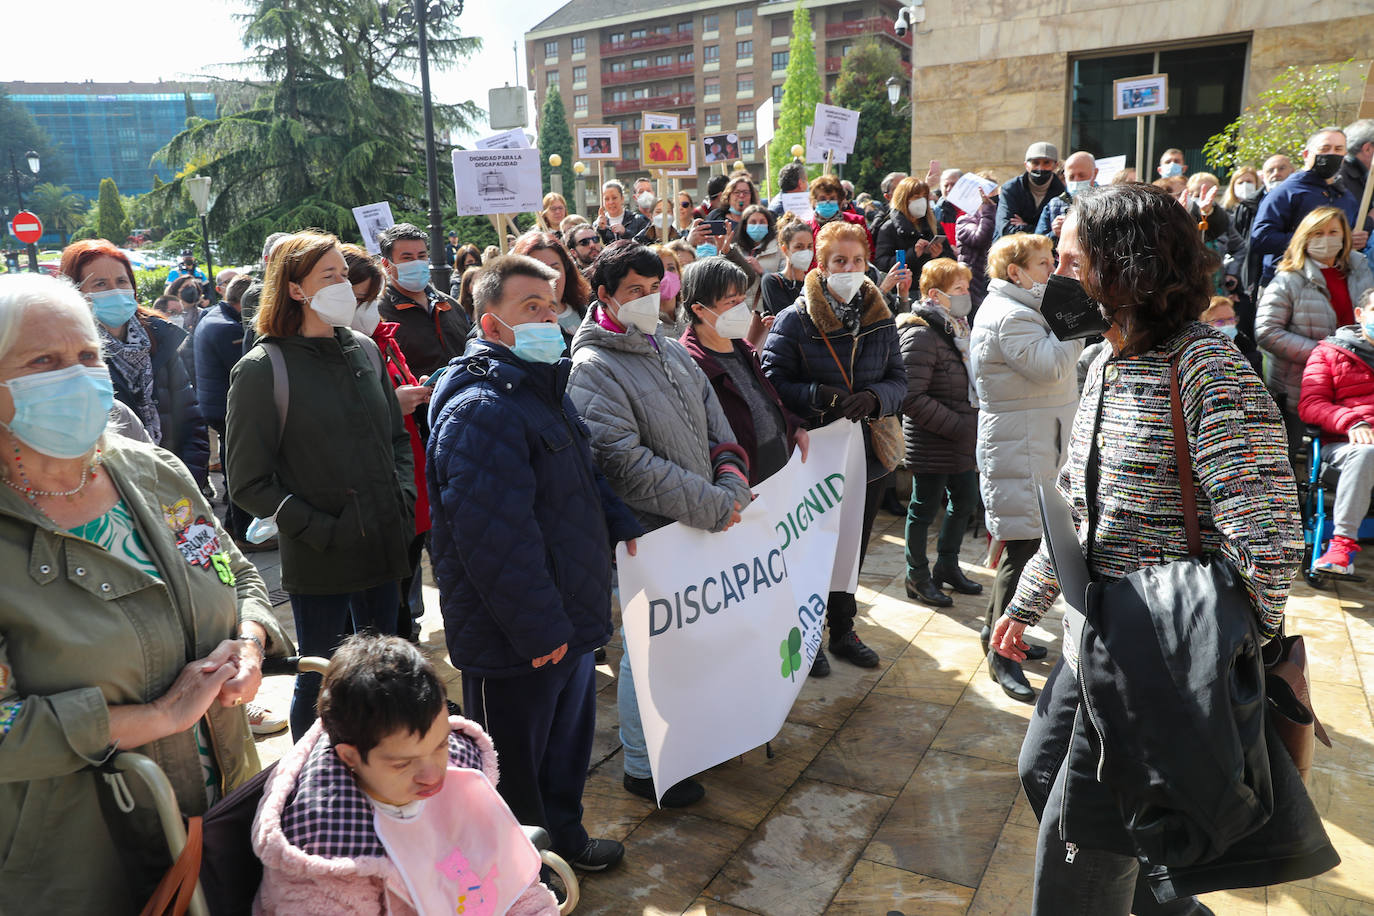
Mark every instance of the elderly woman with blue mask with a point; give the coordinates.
(129, 620)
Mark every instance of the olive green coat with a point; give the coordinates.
(82, 630)
(344, 458)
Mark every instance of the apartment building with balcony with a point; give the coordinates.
(711, 63)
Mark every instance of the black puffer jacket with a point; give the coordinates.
(899, 233)
(940, 424)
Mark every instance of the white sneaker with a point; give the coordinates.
(262, 721)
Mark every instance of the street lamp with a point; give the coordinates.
(420, 14)
(32, 157)
(199, 189)
(894, 90)
(556, 176)
(798, 151)
(580, 185)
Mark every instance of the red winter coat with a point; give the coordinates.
(1337, 388)
(385, 337)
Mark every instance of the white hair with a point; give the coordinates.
(21, 292)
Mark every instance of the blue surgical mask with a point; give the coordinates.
(1171, 169)
(757, 231)
(412, 275)
(536, 341)
(1230, 330)
(827, 209)
(707, 250)
(61, 413)
(113, 307)
(1078, 187)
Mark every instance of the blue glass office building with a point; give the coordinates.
(111, 134)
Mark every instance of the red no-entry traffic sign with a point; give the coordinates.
(27, 227)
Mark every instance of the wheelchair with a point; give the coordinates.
(230, 872)
(1318, 490)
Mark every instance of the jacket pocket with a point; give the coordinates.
(21, 846)
(555, 437)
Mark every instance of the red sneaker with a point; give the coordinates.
(1339, 556)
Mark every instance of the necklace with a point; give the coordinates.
(88, 473)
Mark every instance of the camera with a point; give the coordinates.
(901, 24)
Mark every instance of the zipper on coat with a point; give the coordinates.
(1088, 710)
(1064, 796)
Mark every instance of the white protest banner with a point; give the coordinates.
(798, 202)
(372, 220)
(1109, 167)
(751, 599)
(835, 128)
(497, 181)
(964, 194)
(509, 139)
(763, 122)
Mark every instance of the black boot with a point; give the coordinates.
(947, 572)
(1010, 678)
(924, 591)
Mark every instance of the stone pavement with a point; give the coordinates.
(894, 790)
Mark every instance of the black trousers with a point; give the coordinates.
(841, 606)
(542, 724)
(1096, 882)
(1015, 556)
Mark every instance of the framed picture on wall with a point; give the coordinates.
(1137, 96)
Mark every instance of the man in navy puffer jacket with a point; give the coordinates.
(523, 528)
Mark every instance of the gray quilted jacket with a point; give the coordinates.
(654, 420)
(1294, 316)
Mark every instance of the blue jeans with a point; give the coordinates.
(631, 726)
(322, 623)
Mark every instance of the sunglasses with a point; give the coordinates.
(583, 243)
(686, 206)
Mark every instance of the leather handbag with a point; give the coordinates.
(885, 433)
(172, 896)
(1290, 701)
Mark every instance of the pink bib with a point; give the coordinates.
(465, 854)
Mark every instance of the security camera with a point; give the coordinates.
(901, 24)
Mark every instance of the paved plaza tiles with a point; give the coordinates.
(894, 790)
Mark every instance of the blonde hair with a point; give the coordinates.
(832, 234)
(291, 261)
(942, 273)
(1016, 249)
(553, 197)
(1229, 199)
(1216, 303)
(909, 189)
(1198, 178)
(1295, 257)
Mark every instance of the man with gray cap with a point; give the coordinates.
(1024, 197)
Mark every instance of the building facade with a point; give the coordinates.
(711, 63)
(112, 130)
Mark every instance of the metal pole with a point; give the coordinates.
(31, 248)
(556, 181)
(439, 272)
(209, 268)
(580, 194)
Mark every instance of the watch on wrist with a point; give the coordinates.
(248, 637)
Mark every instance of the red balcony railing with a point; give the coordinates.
(869, 26)
(629, 136)
(832, 64)
(638, 74)
(656, 40)
(677, 100)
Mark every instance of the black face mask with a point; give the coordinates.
(1040, 176)
(1326, 165)
(1070, 312)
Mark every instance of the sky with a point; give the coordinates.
(146, 41)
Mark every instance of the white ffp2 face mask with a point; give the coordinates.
(640, 314)
(367, 317)
(1324, 248)
(733, 323)
(845, 285)
(801, 260)
(335, 304)
(916, 209)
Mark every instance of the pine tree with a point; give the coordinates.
(112, 224)
(884, 142)
(800, 93)
(555, 137)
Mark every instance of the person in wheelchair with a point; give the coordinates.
(371, 813)
(1338, 397)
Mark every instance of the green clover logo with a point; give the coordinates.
(790, 650)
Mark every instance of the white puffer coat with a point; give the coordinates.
(1295, 315)
(1027, 395)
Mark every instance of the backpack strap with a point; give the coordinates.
(375, 354)
(281, 384)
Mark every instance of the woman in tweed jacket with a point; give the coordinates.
(1247, 500)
